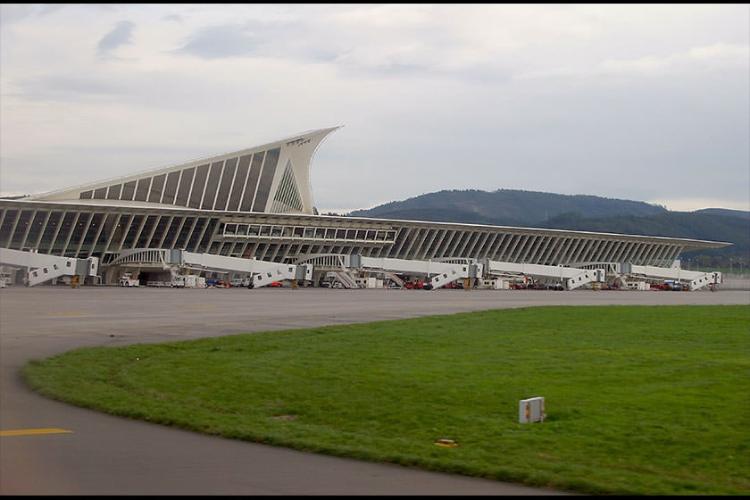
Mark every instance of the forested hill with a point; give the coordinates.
(504, 207)
(724, 211)
(509, 207)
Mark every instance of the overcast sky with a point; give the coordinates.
(644, 102)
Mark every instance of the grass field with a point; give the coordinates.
(649, 400)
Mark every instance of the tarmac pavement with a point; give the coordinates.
(110, 455)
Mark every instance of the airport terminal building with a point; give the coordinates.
(258, 204)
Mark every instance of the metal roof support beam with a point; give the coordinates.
(490, 244)
(561, 242)
(510, 254)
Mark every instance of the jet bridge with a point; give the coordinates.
(44, 267)
(448, 270)
(441, 273)
(694, 279)
(263, 272)
(571, 277)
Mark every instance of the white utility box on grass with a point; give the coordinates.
(531, 410)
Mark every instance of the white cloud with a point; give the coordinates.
(734, 53)
(715, 55)
(623, 101)
(121, 34)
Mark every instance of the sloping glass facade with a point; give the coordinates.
(82, 231)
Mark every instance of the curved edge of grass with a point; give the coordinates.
(539, 479)
(502, 474)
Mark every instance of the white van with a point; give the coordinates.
(127, 280)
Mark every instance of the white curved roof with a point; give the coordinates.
(272, 177)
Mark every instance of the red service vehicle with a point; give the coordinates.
(414, 285)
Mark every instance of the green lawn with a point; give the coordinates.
(650, 400)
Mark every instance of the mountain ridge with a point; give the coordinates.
(513, 207)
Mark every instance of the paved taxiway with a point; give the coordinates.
(110, 455)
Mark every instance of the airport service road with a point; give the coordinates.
(110, 455)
